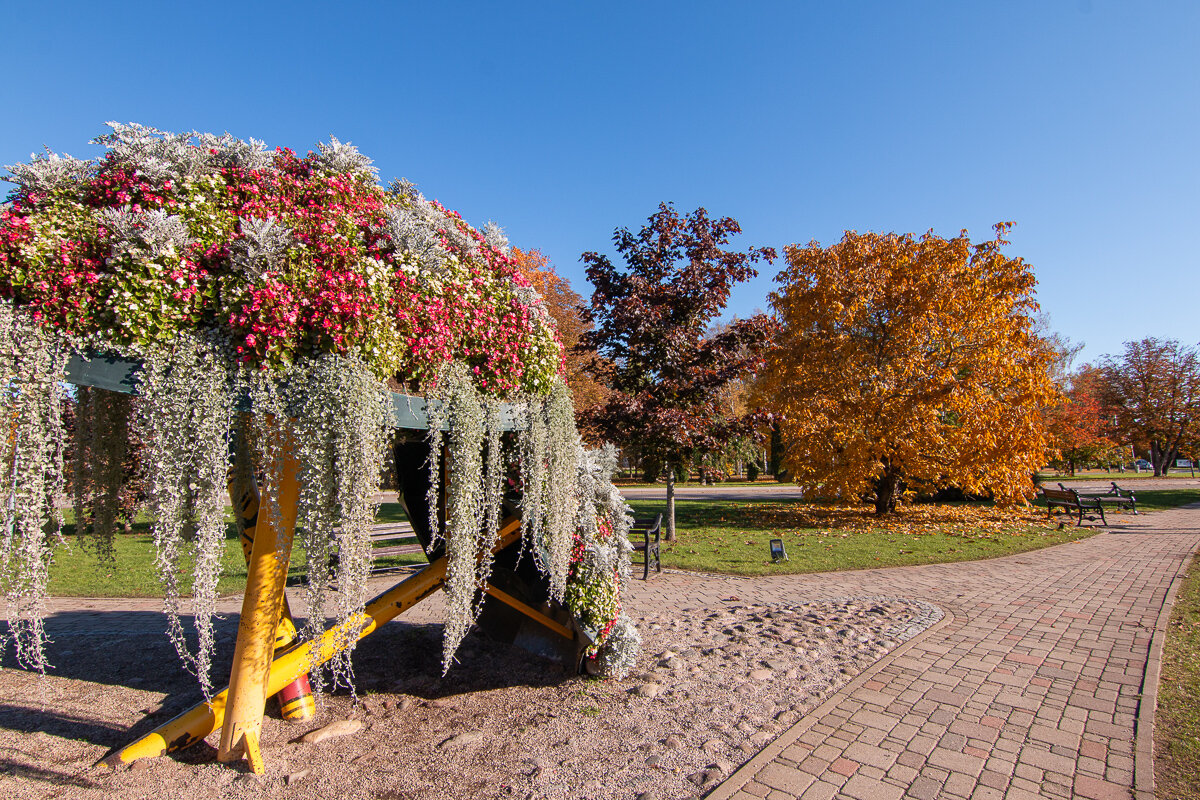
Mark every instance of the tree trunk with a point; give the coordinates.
(1072, 463)
(886, 490)
(775, 467)
(670, 515)
(1160, 458)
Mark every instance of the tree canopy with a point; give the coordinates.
(565, 306)
(1153, 389)
(653, 343)
(1079, 428)
(909, 362)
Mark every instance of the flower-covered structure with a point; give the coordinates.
(283, 256)
(270, 300)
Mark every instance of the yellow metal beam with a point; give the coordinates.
(295, 700)
(197, 723)
(261, 606)
(531, 612)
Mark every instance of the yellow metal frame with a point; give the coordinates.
(245, 499)
(262, 606)
(198, 722)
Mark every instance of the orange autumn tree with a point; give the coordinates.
(563, 303)
(1079, 428)
(908, 363)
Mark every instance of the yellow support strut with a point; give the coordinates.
(197, 723)
(295, 700)
(261, 608)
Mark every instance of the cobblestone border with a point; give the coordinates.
(938, 617)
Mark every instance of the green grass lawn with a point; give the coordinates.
(714, 536)
(78, 572)
(1177, 723)
(733, 537)
(1119, 477)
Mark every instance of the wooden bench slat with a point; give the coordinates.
(1069, 499)
(402, 549)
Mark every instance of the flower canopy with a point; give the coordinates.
(283, 256)
(268, 297)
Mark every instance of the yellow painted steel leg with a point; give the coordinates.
(296, 699)
(197, 723)
(267, 574)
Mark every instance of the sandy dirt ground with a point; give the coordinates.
(712, 687)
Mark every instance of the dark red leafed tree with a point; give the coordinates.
(1153, 389)
(652, 342)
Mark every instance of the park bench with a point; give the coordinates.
(389, 539)
(1116, 496)
(392, 539)
(1070, 503)
(648, 533)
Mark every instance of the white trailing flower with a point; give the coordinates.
(185, 421)
(463, 409)
(340, 435)
(533, 453)
(101, 445)
(49, 172)
(561, 501)
(32, 362)
(338, 158)
(493, 498)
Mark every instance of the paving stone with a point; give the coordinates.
(1094, 789)
(861, 787)
(924, 788)
(1044, 759)
(784, 778)
(820, 791)
(866, 754)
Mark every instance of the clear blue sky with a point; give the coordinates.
(1078, 119)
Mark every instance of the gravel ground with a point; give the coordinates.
(712, 688)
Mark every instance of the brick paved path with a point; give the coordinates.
(1029, 689)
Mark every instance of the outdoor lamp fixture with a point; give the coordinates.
(777, 553)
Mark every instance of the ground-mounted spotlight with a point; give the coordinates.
(777, 551)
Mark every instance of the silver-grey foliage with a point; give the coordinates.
(150, 233)
(156, 154)
(250, 154)
(494, 234)
(262, 248)
(413, 229)
(185, 421)
(50, 172)
(32, 361)
(338, 158)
